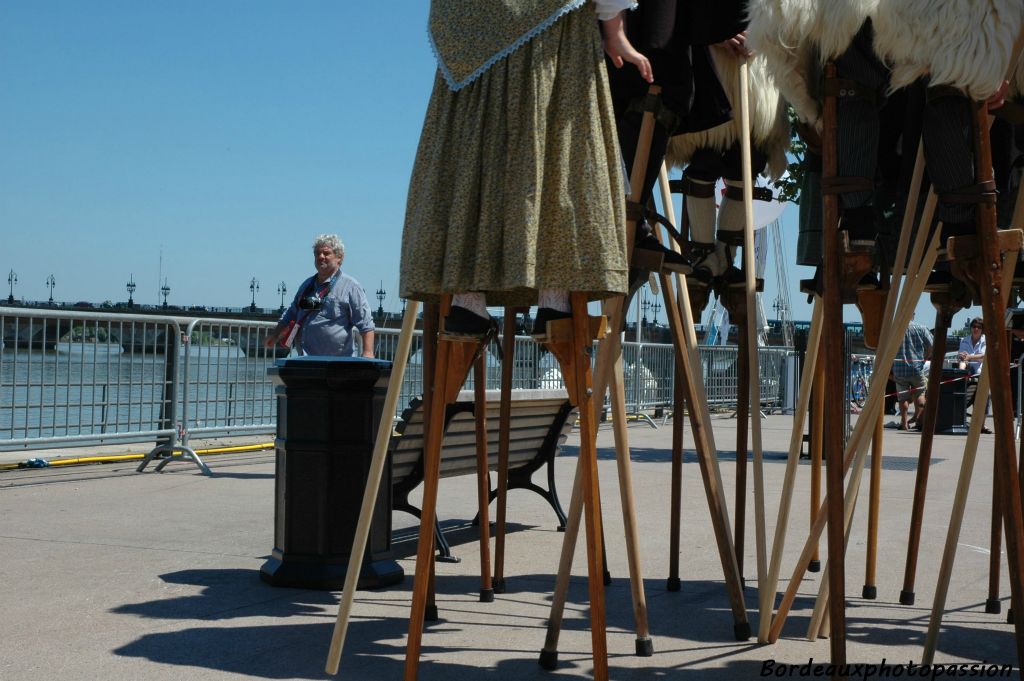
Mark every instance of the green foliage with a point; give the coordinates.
(789, 186)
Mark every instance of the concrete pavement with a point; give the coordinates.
(110, 574)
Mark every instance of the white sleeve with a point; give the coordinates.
(607, 9)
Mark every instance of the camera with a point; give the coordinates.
(310, 303)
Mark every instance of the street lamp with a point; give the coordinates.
(381, 294)
(780, 308)
(254, 286)
(50, 283)
(166, 291)
(130, 287)
(282, 289)
(12, 279)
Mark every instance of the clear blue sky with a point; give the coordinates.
(226, 134)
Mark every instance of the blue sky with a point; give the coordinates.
(223, 134)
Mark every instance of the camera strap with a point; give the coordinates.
(321, 291)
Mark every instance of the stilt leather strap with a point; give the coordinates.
(846, 88)
(730, 237)
(984, 192)
(760, 193)
(636, 212)
(846, 185)
(653, 103)
(701, 249)
(686, 186)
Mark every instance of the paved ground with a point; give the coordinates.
(109, 574)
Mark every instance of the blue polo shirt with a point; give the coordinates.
(328, 331)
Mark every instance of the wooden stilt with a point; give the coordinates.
(987, 272)
(815, 446)
(742, 422)
(808, 373)
(675, 507)
(943, 317)
(483, 475)
(960, 500)
(735, 303)
(570, 346)
(608, 353)
(684, 344)
(713, 488)
(993, 605)
(454, 358)
(508, 345)
(856, 449)
(833, 358)
(753, 384)
(374, 477)
(870, 590)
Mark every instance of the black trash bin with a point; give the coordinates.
(328, 410)
(951, 418)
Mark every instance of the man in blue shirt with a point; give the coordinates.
(326, 308)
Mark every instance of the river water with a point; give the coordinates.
(80, 389)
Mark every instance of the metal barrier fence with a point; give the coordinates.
(78, 378)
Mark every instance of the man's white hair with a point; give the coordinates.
(332, 241)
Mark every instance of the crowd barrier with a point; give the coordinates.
(75, 378)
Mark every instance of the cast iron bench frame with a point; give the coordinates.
(540, 423)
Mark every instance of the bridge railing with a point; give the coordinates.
(82, 378)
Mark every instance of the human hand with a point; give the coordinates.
(620, 50)
(737, 45)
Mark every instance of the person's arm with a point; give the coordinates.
(368, 338)
(617, 45)
(283, 323)
(361, 318)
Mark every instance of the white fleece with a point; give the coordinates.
(962, 43)
(769, 125)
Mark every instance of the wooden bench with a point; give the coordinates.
(540, 423)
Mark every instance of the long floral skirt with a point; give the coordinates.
(518, 184)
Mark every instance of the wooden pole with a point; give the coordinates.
(608, 350)
(508, 348)
(833, 361)
(754, 378)
(870, 590)
(987, 272)
(581, 375)
(374, 476)
(815, 446)
(807, 377)
(742, 421)
(483, 475)
(675, 506)
(856, 453)
(943, 317)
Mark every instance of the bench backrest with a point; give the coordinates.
(539, 419)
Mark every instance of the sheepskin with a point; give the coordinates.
(963, 43)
